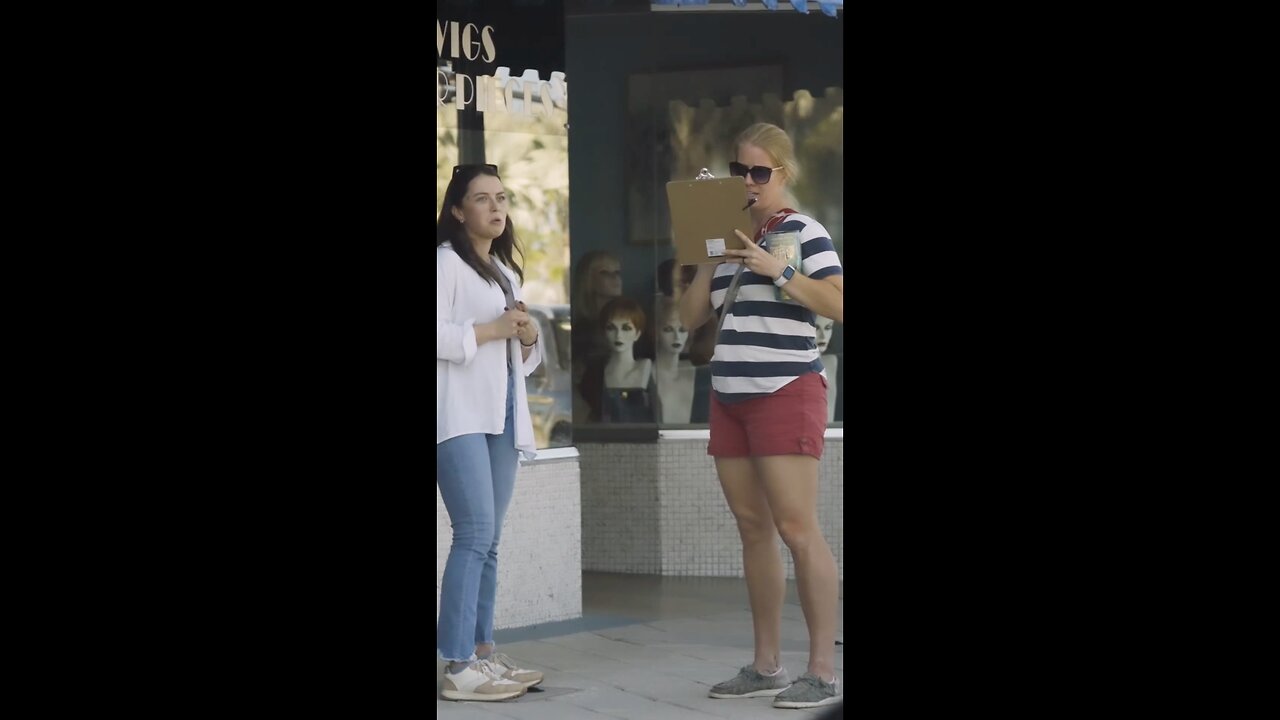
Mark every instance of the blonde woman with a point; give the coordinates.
(768, 417)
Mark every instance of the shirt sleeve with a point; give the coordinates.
(454, 342)
(817, 252)
(535, 357)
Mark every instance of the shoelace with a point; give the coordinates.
(819, 683)
(503, 660)
(486, 667)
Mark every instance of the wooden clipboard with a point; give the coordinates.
(704, 214)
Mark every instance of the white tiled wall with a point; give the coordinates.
(658, 508)
(540, 555)
(620, 485)
(699, 535)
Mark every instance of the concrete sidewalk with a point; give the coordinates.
(647, 648)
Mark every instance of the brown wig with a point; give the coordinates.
(625, 308)
(449, 229)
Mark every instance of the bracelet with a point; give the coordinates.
(535, 342)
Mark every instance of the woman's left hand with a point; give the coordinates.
(528, 334)
(757, 259)
(528, 331)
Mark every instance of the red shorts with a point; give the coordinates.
(791, 421)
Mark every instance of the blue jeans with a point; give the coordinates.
(476, 475)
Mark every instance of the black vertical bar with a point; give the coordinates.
(470, 135)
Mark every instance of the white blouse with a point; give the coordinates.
(471, 379)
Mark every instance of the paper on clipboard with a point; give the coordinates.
(704, 214)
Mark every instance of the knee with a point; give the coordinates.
(754, 529)
(799, 535)
(478, 537)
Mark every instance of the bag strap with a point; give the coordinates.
(729, 297)
(732, 294)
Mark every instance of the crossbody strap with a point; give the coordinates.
(729, 297)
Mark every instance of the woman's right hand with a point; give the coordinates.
(505, 327)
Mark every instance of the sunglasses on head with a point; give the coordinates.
(759, 174)
(491, 166)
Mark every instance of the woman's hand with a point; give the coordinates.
(508, 325)
(527, 332)
(757, 259)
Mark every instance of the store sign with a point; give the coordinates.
(527, 95)
(472, 41)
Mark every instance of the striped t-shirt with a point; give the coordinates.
(765, 342)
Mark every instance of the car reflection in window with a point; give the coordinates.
(550, 399)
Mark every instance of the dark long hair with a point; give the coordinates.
(448, 229)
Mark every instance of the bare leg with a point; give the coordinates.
(761, 560)
(791, 484)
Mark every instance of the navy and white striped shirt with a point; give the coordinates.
(765, 342)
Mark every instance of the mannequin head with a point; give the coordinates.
(824, 327)
(597, 279)
(672, 336)
(622, 321)
(674, 279)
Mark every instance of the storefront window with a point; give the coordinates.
(531, 152)
(662, 112)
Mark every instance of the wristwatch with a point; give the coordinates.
(788, 272)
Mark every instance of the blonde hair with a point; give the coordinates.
(775, 141)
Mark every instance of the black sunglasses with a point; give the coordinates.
(491, 166)
(759, 174)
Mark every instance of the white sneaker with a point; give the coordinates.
(507, 667)
(480, 681)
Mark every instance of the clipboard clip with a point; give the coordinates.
(705, 174)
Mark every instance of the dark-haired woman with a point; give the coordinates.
(485, 345)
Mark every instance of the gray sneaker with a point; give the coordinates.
(809, 691)
(749, 683)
